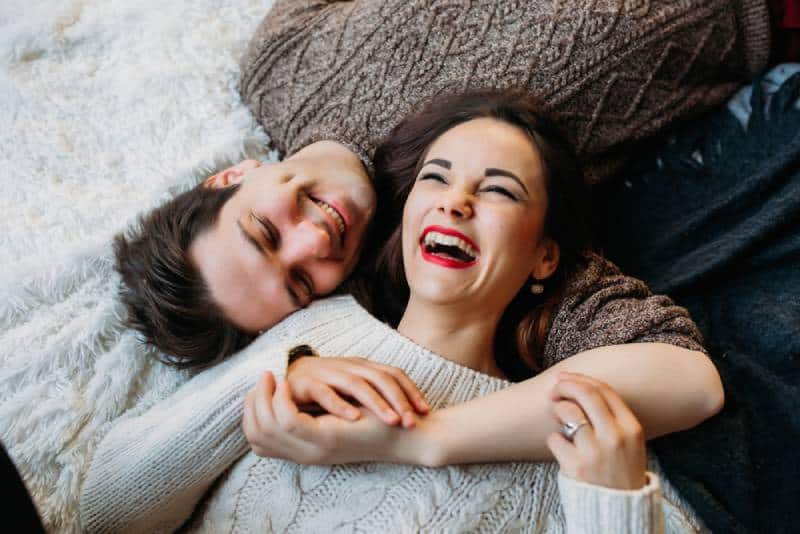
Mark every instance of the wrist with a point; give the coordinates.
(591, 508)
(423, 445)
(298, 352)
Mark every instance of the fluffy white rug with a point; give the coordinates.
(107, 108)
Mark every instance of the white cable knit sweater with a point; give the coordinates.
(151, 471)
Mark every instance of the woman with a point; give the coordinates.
(594, 321)
(477, 225)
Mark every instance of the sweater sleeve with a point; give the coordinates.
(150, 471)
(589, 508)
(603, 307)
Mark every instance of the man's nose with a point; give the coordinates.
(456, 203)
(306, 241)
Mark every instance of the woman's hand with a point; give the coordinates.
(608, 451)
(384, 390)
(275, 427)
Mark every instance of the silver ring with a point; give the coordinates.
(569, 429)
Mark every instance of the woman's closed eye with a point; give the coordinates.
(491, 188)
(500, 190)
(433, 176)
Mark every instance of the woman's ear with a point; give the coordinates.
(231, 175)
(548, 256)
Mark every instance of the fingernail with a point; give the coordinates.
(409, 421)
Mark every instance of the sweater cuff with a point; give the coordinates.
(590, 508)
(753, 21)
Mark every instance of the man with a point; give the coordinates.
(211, 268)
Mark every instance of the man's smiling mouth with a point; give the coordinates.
(334, 214)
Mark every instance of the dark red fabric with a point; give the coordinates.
(785, 19)
(791, 14)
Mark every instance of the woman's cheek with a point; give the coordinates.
(509, 233)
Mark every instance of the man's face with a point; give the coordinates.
(291, 233)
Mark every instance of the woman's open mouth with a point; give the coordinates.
(448, 248)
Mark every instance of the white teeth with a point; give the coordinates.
(333, 213)
(450, 240)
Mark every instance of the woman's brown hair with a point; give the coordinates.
(522, 332)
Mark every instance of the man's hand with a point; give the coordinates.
(275, 427)
(384, 390)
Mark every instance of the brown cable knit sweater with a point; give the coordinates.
(615, 70)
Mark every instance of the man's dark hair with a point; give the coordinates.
(167, 300)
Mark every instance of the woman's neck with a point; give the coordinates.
(465, 338)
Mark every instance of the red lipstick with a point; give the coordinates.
(451, 263)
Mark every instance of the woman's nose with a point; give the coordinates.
(457, 204)
(307, 241)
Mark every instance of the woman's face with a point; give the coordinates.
(473, 224)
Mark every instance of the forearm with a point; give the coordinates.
(149, 474)
(668, 389)
(150, 471)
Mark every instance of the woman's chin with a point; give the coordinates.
(435, 292)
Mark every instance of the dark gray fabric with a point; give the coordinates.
(18, 506)
(712, 217)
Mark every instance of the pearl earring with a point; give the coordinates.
(537, 288)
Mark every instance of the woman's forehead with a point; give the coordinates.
(486, 142)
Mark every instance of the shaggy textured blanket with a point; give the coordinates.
(107, 107)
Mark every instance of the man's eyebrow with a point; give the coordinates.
(440, 162)
(500, 172)
(289, 291)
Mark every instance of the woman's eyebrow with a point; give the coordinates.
(440, 162)
(508, 174)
